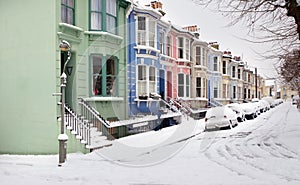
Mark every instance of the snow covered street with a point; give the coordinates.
(265, 150)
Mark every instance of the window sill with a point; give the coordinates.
(148, 101)
(69, 26)
(70, 32)
(104, 36)
(105, 99)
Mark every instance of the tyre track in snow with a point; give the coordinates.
(254, 152)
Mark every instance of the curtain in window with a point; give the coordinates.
(198, 55)
(67, 11)
(141, 40)
(152, 33)
(111, 71)
(187, 86)
(96, 15)
(198, 87)
(187, 49)
(181, 85)
(180, 47)
(111, 14)
(152, 76)
(97, 75)
(142, 80)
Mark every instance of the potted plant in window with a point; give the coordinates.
(143, 96)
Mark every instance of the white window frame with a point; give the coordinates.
(151, 86)
(146, 32)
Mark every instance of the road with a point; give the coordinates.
(262, 151)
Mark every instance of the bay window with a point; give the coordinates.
(103, 15)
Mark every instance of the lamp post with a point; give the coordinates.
(62, 137)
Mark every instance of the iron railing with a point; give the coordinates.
(78, 126)
(95, 119)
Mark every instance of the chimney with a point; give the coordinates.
(156, 5)
(214, 45)
(193, 28)
(237, 58)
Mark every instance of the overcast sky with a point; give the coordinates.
(213, 28)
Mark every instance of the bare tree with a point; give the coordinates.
(276, 21)
(278, 17)
(289, 70)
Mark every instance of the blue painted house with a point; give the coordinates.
(214, 74)
(145, 73)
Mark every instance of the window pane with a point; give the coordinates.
(70, 3)
(111, 7)
(96, 21)
(141, 72)
(63, 14)
(141, 23)
(152, 33)
(96, 5)
(151, 74)
(141, 37)
(110, 77)
(180, 79)
(97, 75)
(180, 42)
(187, 49)
(70, 16)
(187, 85)
(198, 51)
(111, 24)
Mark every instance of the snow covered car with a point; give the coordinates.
(238, 109)
(250, 110)
(294, 99)
(260, 106)
(270, 100)
(219, 117)
(266, 105)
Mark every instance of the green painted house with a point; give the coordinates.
(31, 63)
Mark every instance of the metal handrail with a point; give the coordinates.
(87, 110)
(78, 125)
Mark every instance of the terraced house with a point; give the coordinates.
(104, 69)
(32, 63)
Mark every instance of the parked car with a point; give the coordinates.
(266, 105)
(278, 101)
(260, 106)
(295, 99)
(250, 110)
(270, 100)
(238, 109)
(219, 117)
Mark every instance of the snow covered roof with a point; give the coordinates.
(269, 82)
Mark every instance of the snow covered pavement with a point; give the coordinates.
(261, 151)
